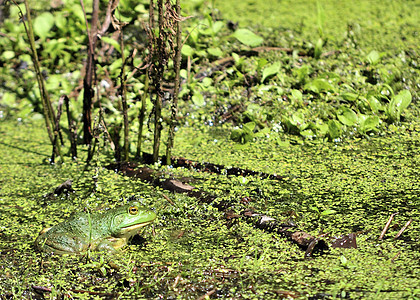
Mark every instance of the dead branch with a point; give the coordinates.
(387, 226)
(403, 229)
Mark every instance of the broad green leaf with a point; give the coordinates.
(141, 9)
(297, 95)
(402, 99)
(331, 77)
(207, 81)
(375, 104)
(244, 134)
(350, 96)
(302, 73)
(322, 128)
(261, 62)
(61, 21)
(43, 24)
(263, 133)
(9, 99)
(319, 85)
(247, 136)
(198, 99)
(236, 135)
(183, 73)
(187, 50)
(343, 260)
(247, 37)
(369, 123)
(8, 54)
(297, 119)
(271, 70)
(249, 127)
(236, 57)
(193, 36)
(398, 103)
(114, 68)
(217, 26)
(283, 144)
(373, 57)
(112, 42)
(334, 129)
(307, 133)
(209, 27)
(347, 117)
(215, 52)
(271, 87)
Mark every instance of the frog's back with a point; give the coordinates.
(77, 224)
(70, 236)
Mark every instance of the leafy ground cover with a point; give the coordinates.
(324, 95)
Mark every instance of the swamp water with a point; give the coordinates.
(332, 189)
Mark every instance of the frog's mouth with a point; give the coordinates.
(131, 230)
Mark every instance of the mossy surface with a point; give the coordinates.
(331, 187)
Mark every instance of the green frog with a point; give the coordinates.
(107, 231)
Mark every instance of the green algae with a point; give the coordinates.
(375, 25)
(330, 188)
(193, 250)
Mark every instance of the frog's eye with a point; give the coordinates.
(133, 210)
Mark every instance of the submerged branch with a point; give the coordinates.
(290, 231)
(180, 162)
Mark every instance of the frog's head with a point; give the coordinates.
(128, 219)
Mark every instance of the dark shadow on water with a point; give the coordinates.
(24, 150)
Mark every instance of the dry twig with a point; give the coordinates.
(387, 226)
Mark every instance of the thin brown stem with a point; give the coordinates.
(403, 229)
(88, 92)
(49, 115)
(387, 226)
(56, 143)
(158, 83)
(177, 67)
(141, 117)
(72, 130)
(124, 98)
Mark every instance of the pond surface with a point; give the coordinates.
(329, 189)
(194, 250)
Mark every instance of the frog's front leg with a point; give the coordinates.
(111, 244)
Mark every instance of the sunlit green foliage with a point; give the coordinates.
(328, 89)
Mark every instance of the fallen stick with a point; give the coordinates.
(396, 256)
(387, 226)
(304, 240)
(403, 229)
(213, 168)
